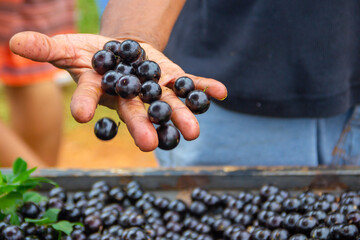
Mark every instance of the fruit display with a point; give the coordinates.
(128, 211)
(126, 72)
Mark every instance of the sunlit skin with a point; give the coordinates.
(74, 52)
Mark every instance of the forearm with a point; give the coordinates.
(149, 21)
(12, 147)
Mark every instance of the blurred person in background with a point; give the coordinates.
(291, 69)
(35, 101)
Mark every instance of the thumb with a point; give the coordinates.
(38, 47)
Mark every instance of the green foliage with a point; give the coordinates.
(64, 226)
(88, 16)
(50, 216)
(14, 189)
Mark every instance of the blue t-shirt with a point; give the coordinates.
(298, 58)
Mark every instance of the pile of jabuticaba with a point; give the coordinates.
(206, 204)
(127, 73)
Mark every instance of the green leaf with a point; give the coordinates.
(10, 200)
(19, 166)
(7, 189)
(44, 180)
(7, 177)
(34, 197)
(26, 186)
(64, 226)
(23, 176)
(14, 219)
(52, 214)
(40, 221)
(1, 179)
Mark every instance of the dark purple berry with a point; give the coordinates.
(109, 80)
(58, 192)
(279, 234)
(268, 190)
(349, 231)
(244, 219)
(298, 236)
(12, 233)
(128, 86)
(105, 129)
(148, 70)
(198, 208)
(141, 58)
(335, 219)
(130, 50)
(150, 92)
(198, 194)
(102, 185)
(125, 69)
(321, 233)
(178, 206)
(113, 46)
(55, 203)
(306, 224)
(159, 112)
(183, 86)
(261, 234)
(240, 235)
(169, 136)
(103, 61)
(30, 210)
(197, 101)
(92, 224)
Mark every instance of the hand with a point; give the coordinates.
(73, 52)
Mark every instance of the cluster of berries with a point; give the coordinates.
(128, 73)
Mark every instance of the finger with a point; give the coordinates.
(182, 117)
(134, 114)
(171, 71)
(86, 96)
(39, 47)
(212, 87)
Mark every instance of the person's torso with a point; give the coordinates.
(278, 58)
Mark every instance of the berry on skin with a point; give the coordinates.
(183, 86)
(105, 129)
(125, 69)
(197, 101)
(150, 92)
(128, 86)
(148, 70)
(108, 81)
(103, 61)
(141, 58)
(113, 46)
(169, 136)
(130, 51)
(159, 112)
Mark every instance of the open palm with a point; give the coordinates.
(73, 52)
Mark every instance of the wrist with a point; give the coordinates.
(141, 37)
(141, 20)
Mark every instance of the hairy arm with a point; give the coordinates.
(149, 21)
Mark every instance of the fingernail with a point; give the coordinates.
(224, 98)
